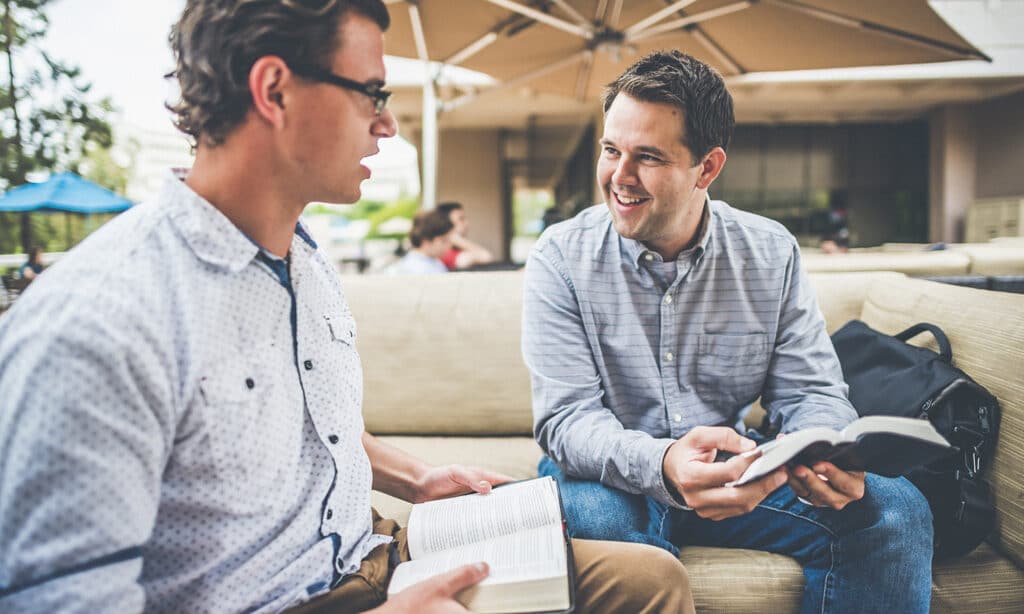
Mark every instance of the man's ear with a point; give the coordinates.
(711, 166)
(267, 80)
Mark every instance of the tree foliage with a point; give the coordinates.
(48, 123)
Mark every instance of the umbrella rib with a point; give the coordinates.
(417, 33)
(583, 78)
(658, 16)
(613, 19)
(565, 6)
(883, 30)
(544, 18)
(523, 78)
(471, 49)
(717, 51)
(691, 19)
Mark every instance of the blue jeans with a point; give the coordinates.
(875, 555)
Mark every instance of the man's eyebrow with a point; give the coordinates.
(646, 149)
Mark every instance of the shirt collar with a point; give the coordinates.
(209, 233)
(636, 250)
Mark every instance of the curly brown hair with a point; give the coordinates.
(216, 42)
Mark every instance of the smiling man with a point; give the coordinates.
(650, 322)
(180, 421)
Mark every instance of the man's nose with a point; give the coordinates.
(625, 172)
(386, 126)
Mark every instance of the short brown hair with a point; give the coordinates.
(685, 82)
(429, 225)
(216, 42)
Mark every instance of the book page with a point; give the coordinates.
(450, 523)
(909, 427)
(529, 555)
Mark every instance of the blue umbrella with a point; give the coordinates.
(63, 192)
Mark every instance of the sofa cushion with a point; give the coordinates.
(911, 263)
(989, 259)
(841, 295)
(441, 353)
(982, 582)
(986, 331)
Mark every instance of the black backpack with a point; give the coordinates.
(888, 376)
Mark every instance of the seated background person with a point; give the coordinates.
(431, 237)
(651, 321)
(463, 253)
(34, 266)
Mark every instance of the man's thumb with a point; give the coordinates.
(720, 437)
(464, 577)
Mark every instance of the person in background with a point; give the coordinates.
(431, 237)
(34, 266)
(463, 253)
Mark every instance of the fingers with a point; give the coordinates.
(718, 437)
(729, 501)
(827, 485)
(477, 480)
(848, 483)
(460, 578)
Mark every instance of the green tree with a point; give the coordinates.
(47, 121)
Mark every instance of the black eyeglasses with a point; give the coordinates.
(373, 89)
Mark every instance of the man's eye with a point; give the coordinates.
(648, 158)
(611, 151)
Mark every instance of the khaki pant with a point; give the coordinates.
(610, 577)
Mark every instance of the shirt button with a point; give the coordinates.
(249, 383)
(332, 438)
(668, 298)
(677, 417)
(308, 364)
(329, 514)
(669, 357)
(649, 256)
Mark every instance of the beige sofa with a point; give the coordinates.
(445, 380)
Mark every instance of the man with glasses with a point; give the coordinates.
(180, 426)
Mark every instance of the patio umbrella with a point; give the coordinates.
(575, 47)
(63, 192)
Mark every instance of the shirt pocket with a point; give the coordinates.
(243, 430)
(731, 369)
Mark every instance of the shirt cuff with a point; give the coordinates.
(651, 465)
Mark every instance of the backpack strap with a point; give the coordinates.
(945, 351)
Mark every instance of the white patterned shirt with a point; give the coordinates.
(627, 353)
(166, 442)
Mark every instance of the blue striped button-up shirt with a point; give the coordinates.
(627, 355)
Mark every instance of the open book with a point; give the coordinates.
(886, 445)
(517, 529)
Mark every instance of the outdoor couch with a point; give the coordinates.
(444, 380)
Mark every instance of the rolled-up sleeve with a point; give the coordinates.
(571, 423)
(82, 449)
(805, 386)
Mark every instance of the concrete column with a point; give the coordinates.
(952, 171)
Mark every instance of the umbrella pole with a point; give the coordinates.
(67, 230)
(429, 132)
